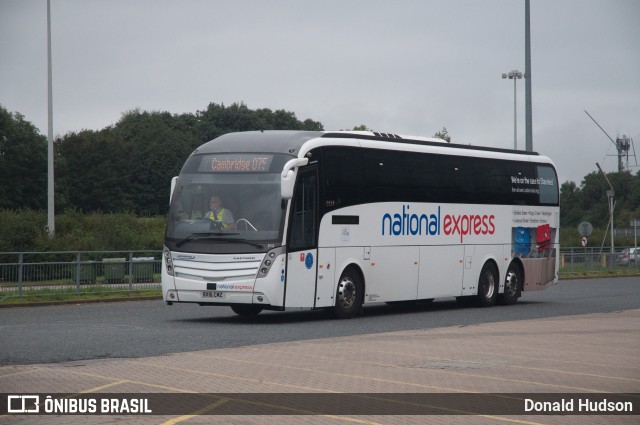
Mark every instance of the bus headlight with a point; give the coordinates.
(166, 254)
(268, 261)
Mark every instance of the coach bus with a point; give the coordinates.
(339, 220)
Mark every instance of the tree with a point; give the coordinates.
(23, 163)
(311, 125)
(571, 211)
(129, 166)
(159, 143)
(93, 172)
(443, 134)
(589, 202)
(361, 127)
(217, 120)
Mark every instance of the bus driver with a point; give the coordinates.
(222, 217)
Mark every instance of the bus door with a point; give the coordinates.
(302, 246)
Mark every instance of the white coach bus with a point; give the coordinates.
(343, 219)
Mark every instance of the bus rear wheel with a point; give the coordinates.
(246, 310)
(349, 295)
(487, 286)
(512, 286)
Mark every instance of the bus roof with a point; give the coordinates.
(291, 141)
(281, 141)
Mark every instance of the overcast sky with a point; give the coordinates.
(406, 67)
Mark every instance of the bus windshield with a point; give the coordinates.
(227, 203)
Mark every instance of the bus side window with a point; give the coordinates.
(384, 173)
(522, 186)
(491, 182)
(342, 184)
(548, 185)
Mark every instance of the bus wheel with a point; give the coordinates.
(246, 310)
(512, 286)
(487, 286)
(349, 295)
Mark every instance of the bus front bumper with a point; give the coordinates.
(221, 298)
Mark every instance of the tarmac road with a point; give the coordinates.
(54, 334)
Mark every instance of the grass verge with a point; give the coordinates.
(103, 293)
(49, 297)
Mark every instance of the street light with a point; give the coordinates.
(514, 75)
(51, 218)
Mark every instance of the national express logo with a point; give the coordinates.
(407, 224)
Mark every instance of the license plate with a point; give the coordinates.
(212, 294)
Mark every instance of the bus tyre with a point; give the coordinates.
(487, 286)
(512, 286)
(349, 295)
(246, 310)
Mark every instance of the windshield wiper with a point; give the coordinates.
(216, 236)
(257, 245)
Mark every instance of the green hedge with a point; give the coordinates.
(25, 230)
(570, 237)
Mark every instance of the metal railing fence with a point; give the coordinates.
(578, 260)
(48, 274)
(51, 274)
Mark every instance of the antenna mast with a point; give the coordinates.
(622, 144)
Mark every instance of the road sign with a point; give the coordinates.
(584, 241)
(585, 228)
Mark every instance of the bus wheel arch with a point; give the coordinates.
(349, 292)
(488, 284)
(513, 283)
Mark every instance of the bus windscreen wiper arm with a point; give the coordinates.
(216, 236)
(257, 245)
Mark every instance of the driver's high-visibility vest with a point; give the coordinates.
(219, 216)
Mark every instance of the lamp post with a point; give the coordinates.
(527, 81)
(51, 220)
(514, 75)
(610, 195)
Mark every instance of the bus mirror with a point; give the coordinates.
(288, 176)
(286, 185)
(173, 187)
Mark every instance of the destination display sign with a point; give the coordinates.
(236, 163)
